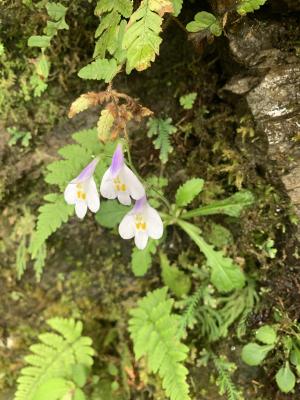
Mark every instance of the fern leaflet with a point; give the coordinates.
(162, 129)
(247, 6)
(153, 330)
(141, 39)
(224, 381)
(51, 217)
(54, 357)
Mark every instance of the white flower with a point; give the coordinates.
(141, 222)
(82, 191)
(119, 181)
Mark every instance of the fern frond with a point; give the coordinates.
(161, 129)
(189, 314)
(54, 356)
(142, 39)
(247, 6)
(100, 69)
(76, 157)
(224, 381)
(51, 217)
(153, 329)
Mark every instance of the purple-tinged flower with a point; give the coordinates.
(82, 191)
(119, 181)
(141, 222)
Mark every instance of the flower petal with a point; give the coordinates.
(155, 226)
(135, 188)
(124, 198)
(141, 239)
(80, 209)
(126, 227)
(87, 172)
(70, 193)
(117, 161)
(107, 189)
(93, 200)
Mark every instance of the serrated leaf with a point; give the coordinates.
(187, 192)
(153, 329)
(111, 213)
(177, 6)
(161, 130)
(266, 334)
(247, 6)
(142, 39)
(253, 354)
(225, 274)
(52, 27)
(100, 69)
(285, 378)
(219, 236)
(39, 41)
(53, 389)
(205, 21)
(187, 101)
(51, 216)
(104, 125)
(141, 259)
(232, 206)
(56, 11)
(80, 374)
(176, 280)
(123, 7)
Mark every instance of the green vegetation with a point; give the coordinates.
(173, 316)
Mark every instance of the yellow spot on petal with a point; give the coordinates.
(81, 195)
(123, 187)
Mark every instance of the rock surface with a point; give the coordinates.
(271, 87)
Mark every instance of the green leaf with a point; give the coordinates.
(162, 129)
(188, 191)
(43, 66)
(153, 329)
(123, 7)
(78, 395)
(247, 6)
(80, 374)
(39, 41)
(53, 389)
(141, 39)
(52, 27)
(177, 6)
(100, 69)
(56, 11)
(141, 259)
(187, 101)
(176, 280)
(295, 356)
(232, 206)
(253, 354)
(285, 378)
(218, 235)
(205, 21)
(225, 274)
(51, 361)
(51, 217)
(266, 334)
(111, 213)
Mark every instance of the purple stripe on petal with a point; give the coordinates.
(117, 161)
(87, 172)
(139, 205)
